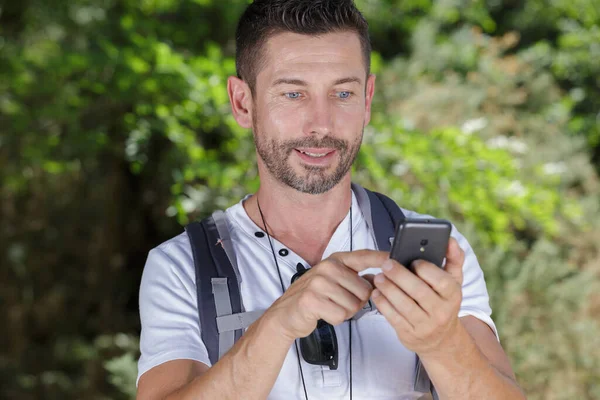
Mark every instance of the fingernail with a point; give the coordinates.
(379, 278)
(376, 293)
(387, 266)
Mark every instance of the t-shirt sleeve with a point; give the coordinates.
(476, 301)
(168, 307)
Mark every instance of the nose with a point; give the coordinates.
(320, 118)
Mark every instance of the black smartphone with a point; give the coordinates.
(425, 239)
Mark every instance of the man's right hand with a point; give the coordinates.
(331, 290)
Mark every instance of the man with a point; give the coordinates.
(305, 90)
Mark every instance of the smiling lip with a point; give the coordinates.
(312, 150)
(315, 156)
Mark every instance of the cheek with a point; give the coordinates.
(350, 116)
(283, 119)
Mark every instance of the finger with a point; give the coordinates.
(442, 282)
(390, 313)
(359, 260)
(455, 258)
(336, 293)
(403, 303)
(335, 270)
(412, 285)
(369, 278)
(331, 312)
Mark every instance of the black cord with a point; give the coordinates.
(271, 243)
(300, 366)
(283, 290)
(350, 321)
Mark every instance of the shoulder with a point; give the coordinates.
(175, 251)
(170, 264)
(174, 258)
(178, 246)
(168, 307)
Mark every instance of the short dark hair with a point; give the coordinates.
(264, 19)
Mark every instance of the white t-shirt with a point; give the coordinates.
(382, 368)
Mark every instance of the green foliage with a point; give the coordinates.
(122, 369)
(483, 172)
(561, 36)
(548, 326)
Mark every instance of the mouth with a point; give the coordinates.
(315, 156)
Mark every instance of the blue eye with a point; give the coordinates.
(344, 95)
(292, 95)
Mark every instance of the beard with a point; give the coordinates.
(313, 179)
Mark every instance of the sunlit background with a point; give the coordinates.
(115, 131)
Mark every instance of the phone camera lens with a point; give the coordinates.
(424, 242)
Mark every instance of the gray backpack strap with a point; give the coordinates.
(383, 216)
(234, 322)
(422, 382)
(222, 298)
(217, 284)
(226, 243)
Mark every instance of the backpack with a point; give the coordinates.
(221, 314)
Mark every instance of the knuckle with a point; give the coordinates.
(441, 317)
(335, 266)
(336, 316)
(447, 285)
(330, 267)
(306, 301)
(340, 316)
(333, 259)
(424, 334)
(355, 305)
(396, 319)
(318, 283)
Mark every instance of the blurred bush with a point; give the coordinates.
(115, 131)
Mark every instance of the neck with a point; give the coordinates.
(299, 220)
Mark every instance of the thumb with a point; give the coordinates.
(455, 258)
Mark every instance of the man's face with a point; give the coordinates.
(310, 108)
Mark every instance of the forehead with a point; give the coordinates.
(288, 53)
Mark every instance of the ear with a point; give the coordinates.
(240, 98)
(369, 92)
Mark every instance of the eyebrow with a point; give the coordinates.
(300, 82)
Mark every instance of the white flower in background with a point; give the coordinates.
(509, 143)
(400, 169)
(498, 142)
(555, 168)
(517, 146)
(408, 124)
(473, 125)
(515, 188)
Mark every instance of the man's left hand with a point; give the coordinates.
(422, 306)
